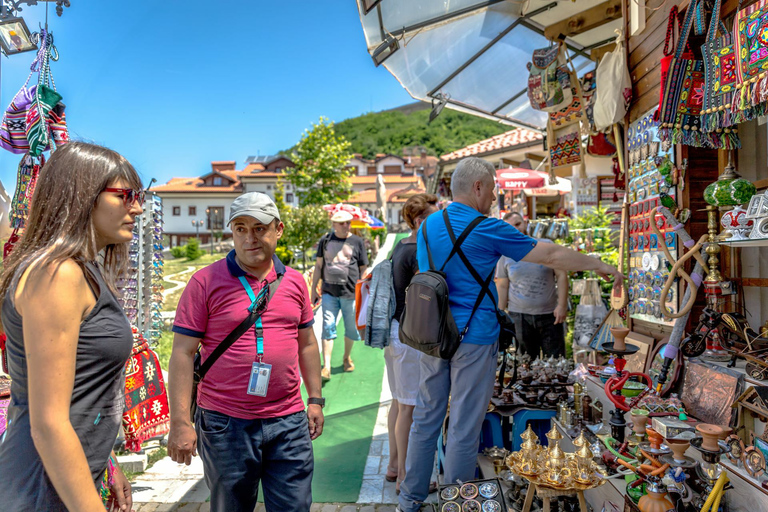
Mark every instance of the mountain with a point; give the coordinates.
(390, 131)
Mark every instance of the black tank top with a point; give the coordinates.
(103, 346)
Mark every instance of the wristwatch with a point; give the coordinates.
(316, 401)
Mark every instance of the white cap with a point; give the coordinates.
(341, 216)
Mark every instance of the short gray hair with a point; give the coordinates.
(467, 172)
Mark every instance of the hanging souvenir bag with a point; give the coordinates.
(549, 85)
(682, 99)
(13, 133)
(614, 87)
(719, 84)
(674, 22)
(751, 49)
(46, 99)
(588, 94)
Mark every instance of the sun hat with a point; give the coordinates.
(254, 204)
(341, 216)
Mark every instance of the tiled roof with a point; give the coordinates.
(369, 195)
(510, 139)
(196, 185)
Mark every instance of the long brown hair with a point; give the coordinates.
(60, 224)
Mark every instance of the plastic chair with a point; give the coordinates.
(491, 434)
(540, 423)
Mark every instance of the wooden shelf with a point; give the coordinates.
(745, 243)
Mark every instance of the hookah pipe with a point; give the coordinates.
(694, 280)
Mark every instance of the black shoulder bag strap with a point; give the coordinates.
(456, 242)
(237, 332)
(484, 284)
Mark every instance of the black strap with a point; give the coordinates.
(237, 332)
(484, 284)
(456, 242)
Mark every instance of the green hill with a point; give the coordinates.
(392, 130)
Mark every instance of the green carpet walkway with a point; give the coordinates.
(352, 403)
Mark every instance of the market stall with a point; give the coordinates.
(674, 416)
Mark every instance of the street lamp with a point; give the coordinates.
(210, 227)
(198, 224)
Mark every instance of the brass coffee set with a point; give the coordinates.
(551, 466)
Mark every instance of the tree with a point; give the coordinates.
(280, 197)
(282, 250)
(304, 227)
(320, 158)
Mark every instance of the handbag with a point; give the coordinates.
(674, 21)
(549, 84)
(201, 367)
(719, 83)
(683, 96)
(751, 47)
(614, 86)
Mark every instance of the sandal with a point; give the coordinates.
(389, 477)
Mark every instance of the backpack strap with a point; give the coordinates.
(456, 242)
(484, 284)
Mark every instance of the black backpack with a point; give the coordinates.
(427, 323)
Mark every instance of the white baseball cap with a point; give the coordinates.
(254, 204)
(341, 216)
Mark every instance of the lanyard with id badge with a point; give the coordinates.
(258, 381)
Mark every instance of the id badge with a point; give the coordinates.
(259, 381)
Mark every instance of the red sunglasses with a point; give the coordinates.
(129, 195)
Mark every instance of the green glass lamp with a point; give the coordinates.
(730, 189)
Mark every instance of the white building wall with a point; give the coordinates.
(390, 160)
(183, 223)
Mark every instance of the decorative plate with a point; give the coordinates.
(488, 490)
(468, 491)
(450, 493)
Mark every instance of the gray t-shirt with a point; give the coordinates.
(532, 287)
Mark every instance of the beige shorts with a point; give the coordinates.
(402, 368)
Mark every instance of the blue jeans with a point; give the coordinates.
(468, 379)
(239, 453)
(331, 307)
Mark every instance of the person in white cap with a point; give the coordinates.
(251, 425)
(341, 260)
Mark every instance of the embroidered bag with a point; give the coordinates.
(669, 46)
(719, 83)
(564, 146)
(13, 133)
(549, 84)
(683, 95)
(146, 402)
(751, 48)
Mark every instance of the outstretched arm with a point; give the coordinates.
(562, 258)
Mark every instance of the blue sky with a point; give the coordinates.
(174, 84)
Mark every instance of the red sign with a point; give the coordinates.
(519, 179)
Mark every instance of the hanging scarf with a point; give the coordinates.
(146, 402)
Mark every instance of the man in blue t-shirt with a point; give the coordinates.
(468, 376)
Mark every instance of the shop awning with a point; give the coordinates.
(471, 55)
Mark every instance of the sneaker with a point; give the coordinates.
(325, 374)
(349, 366)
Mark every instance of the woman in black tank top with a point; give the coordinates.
(67, 336)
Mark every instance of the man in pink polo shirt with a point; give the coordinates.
(250, 424)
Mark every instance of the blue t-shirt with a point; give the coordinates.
(490, 240)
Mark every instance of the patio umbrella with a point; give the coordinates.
(470, 55)
(357, 213)
(374, 224)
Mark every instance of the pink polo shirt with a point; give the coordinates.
(213, 304)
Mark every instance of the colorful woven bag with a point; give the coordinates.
(549, 84)
(683, 96)
(674, 21)
(719, 84)
(751, 48)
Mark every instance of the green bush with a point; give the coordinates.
(179, 251)
(193, 250)
(284, 253)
